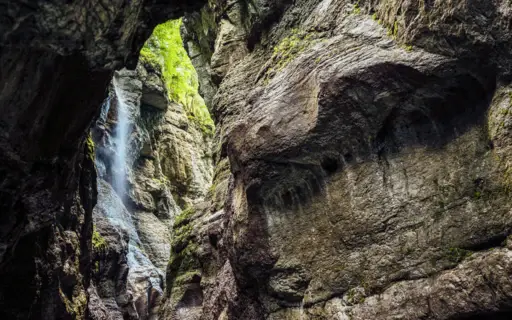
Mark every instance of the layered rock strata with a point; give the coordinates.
(362, 163)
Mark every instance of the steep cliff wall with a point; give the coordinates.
(57, 59)
(362, 162)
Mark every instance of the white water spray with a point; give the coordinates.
(121, 141)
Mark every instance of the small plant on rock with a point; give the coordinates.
(98, 242)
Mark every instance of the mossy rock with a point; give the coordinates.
(184, 217)
(164, 51)
(288, 49)
(456, 255)
(90, 147)
(98, 242)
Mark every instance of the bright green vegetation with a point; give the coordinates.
(98, 242)
(90, 147)
(376, 18)
(290, 47)
(356, 9)
(164, 51)
(407, 47)
(184, 217)
(160, 180)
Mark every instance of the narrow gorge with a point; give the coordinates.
(256, 159)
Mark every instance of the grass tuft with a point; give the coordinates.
(164, 51)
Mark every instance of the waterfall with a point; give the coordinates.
(145, 281)
(137, 259)
(121, 140)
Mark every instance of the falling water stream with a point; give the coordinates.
(137, 260)
(121, 140)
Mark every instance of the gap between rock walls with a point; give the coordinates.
(152, 149)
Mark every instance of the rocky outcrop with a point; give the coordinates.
(109, 296)
(362, 163)
(57, 60)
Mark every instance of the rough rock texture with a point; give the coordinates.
(57, 58)
(362, 163)
(110, 298)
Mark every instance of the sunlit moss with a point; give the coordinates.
(98, 242)
(164, 51)
(288, 49)
(90, 147)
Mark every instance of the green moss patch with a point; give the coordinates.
(98, 242)
(184, 217)
(456, 255)
(288, 49)
(164, 51)
(90, 147)
(183, 262)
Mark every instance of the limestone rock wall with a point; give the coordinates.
(362, 163)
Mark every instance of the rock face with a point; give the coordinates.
(362, 163)
(57, 60)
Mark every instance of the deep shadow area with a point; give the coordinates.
(498, 315)
(434, 114)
